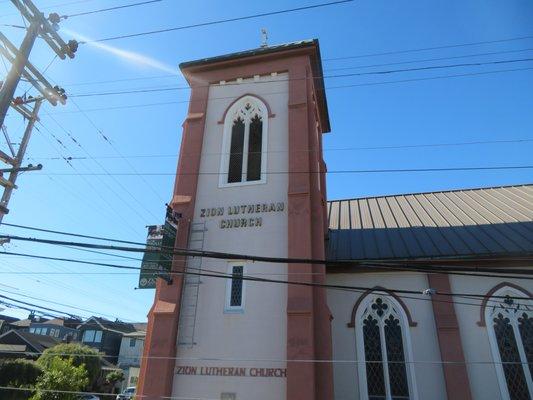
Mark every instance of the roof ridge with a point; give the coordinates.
(435, 191)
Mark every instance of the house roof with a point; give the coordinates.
(447, 224)
(37, 343)
(259, 53)
(22, 323)
(116, 326)
(8, 319)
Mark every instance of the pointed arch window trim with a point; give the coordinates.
(362, 305)
(489, 312)
(230, 116)
(410, 321)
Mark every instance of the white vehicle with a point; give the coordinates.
(127, 394)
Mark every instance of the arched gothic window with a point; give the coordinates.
(384, 350)
(244, 144)
(510, 326)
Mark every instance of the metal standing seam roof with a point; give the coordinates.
(455, 223)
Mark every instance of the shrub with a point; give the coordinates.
(79, 354)
(59, 378)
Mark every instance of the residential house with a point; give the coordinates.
(5, 323)
(62, 329)
(104, 335)
(131, 350)
(23, 344)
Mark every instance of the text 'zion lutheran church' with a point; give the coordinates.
(251, 181)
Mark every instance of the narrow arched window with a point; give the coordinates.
(244, 155)
(510, 326)
(383, 350)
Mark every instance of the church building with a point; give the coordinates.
(377, 318)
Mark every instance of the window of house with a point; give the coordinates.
(244, 143)
(383, 346)
(52, 331)
(88, 337)
(510, 326)
(228, 396)
(132, 342)
(235, 288)
(91, 336)
(32, 330)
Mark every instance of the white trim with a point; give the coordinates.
(490, 312)
(226, 143)
(406, 340)
(228, 308)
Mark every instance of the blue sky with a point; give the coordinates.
(489, 107)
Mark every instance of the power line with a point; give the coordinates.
(106, 173)
(277, 360)
(222, 21)
(91, 312)
(347, 171)
(216, 274)
(449, 46)
(284, 92)
(167, 76)
(426, 60)
(391, 147)
(233, 256)
(90, 184)
(166, 89)
(110, 8)
(222, 275)
(37, 306)
(72, 392)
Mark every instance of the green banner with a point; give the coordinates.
(150, 262)
(158, 265)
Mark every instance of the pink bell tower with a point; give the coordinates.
(251, 173)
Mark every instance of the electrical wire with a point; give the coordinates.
(278, 360)
(216, 274)
(116, 213)
(110, 9)
(37, 306)
(347, 171)
(174, 76)
(391, 147)
(106, 173)
(266, 81)
(222, 21)
(448, 46)
(73, 392)
(225, 256)
(285, 92)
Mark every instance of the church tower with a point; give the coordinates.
(250, 181)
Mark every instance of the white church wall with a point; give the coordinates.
(475, 340)
(428, 373)
(259, 332)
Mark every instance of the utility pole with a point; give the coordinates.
(28, 107)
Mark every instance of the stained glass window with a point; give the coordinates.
(247, 122)
(236, 287)
(385, 375)
(236, 151)
(511, 331)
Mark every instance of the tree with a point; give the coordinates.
(18, 374)
(60, 378)
(114, 377)
(79, 354)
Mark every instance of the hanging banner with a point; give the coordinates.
(150, 263)
(158, 265)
